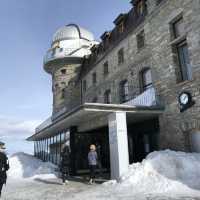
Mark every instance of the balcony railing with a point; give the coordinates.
(147, 98)
(60, 53)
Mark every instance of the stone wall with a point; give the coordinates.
(159, 56)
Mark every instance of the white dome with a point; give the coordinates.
(72, 31)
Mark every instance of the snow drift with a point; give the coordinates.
(26, 166)
(162, 171)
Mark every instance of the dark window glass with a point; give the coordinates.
(107, 97)
(178, 28)
(184, 61)
(124, 91)
(140, 40)
(63, 93)
(63, 71)
(121, 56)
(105, 69)
(146, 79)
(94, 78)
(84, 85)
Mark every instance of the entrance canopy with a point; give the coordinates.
(91, 116)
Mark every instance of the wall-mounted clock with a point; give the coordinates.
(185, 100)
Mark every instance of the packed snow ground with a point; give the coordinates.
(162, 175)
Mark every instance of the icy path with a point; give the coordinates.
(52, 189)
(40, 189)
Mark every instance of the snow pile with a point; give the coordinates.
(26, 166)
(162, 171)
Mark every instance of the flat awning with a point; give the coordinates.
(91, 116)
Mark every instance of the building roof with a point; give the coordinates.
(72, 31)
(88, 112)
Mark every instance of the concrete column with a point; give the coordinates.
(119, 158)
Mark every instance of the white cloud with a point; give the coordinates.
(14, 132)
(11, 126)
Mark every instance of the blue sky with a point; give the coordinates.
(26, 30)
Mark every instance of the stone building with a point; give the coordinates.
(136, 91)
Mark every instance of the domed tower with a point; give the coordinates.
(70, 44)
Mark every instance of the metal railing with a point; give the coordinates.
(147, 98)
(59, 53)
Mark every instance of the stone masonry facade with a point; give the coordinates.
(157, 54)
(129, 49)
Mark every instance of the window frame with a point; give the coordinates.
(120, 54)
(185, 71)
(175, 27)
(124, 91)
(107, 97)
(84, 85)
(140, 37)
(105, 69)
(94, 78)
(143, 84)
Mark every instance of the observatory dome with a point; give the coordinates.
(72, 31)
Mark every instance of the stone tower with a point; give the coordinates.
(70, 44)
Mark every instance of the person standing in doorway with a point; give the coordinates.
(65, 161)
(92, 161)
(4, 166)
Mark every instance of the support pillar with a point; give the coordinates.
(73, 131)
(118, 140)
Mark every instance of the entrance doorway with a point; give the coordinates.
(142, 139)
(83, 141)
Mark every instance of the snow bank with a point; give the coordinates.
(26, 166)
(162, 171)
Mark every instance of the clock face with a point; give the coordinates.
(184, 98)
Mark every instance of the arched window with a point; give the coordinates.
(124, 91)
(146, 79)
(107, 97)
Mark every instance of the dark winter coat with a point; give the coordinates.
(65, 158)
(92, 158)
(4, 166)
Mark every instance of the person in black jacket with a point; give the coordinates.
(4, 166)
(65, 157)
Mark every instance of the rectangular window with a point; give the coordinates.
(63, 93)
(184, 61)
(121, 27)
(121, 56)
(94, 78)
(140, 7)
(124, 91)
(140, 40)
(84, 85)
(105, 69)
(178, 28)
(107, 97)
